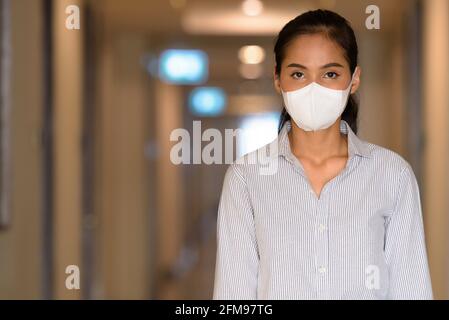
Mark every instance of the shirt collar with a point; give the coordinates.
(355, 145)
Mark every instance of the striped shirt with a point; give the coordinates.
(362, 238)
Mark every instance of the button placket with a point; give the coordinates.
(322, 241)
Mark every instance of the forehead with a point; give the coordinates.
(313, 50)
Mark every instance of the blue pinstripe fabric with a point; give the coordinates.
(363, 238)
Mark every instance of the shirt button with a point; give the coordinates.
(322, 269)
(321, 227)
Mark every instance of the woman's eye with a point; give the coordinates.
(297, 75)
(331, 74)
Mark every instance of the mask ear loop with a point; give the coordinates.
(350, 83)
(350, 86)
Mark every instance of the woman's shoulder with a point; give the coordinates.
(386, 159)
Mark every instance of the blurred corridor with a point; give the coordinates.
(87, 114)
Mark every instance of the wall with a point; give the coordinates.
(436, 153)
(21, 244)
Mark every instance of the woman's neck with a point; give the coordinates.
(318, 146)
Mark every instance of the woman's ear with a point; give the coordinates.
(356, 80)
(277, 84)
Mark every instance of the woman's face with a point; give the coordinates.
(315, 58)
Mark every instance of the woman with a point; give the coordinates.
(340, 218)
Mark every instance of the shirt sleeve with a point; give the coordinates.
(237, 257)
(405, 248)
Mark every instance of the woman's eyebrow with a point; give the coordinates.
(296, 65)
(332, 64)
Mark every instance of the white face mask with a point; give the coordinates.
(315, 107)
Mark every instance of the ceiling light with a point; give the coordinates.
(251, 54)
(252, 8)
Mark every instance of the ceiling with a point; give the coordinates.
(166, 27)
(224, 17)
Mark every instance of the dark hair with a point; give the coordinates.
(337, 29)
